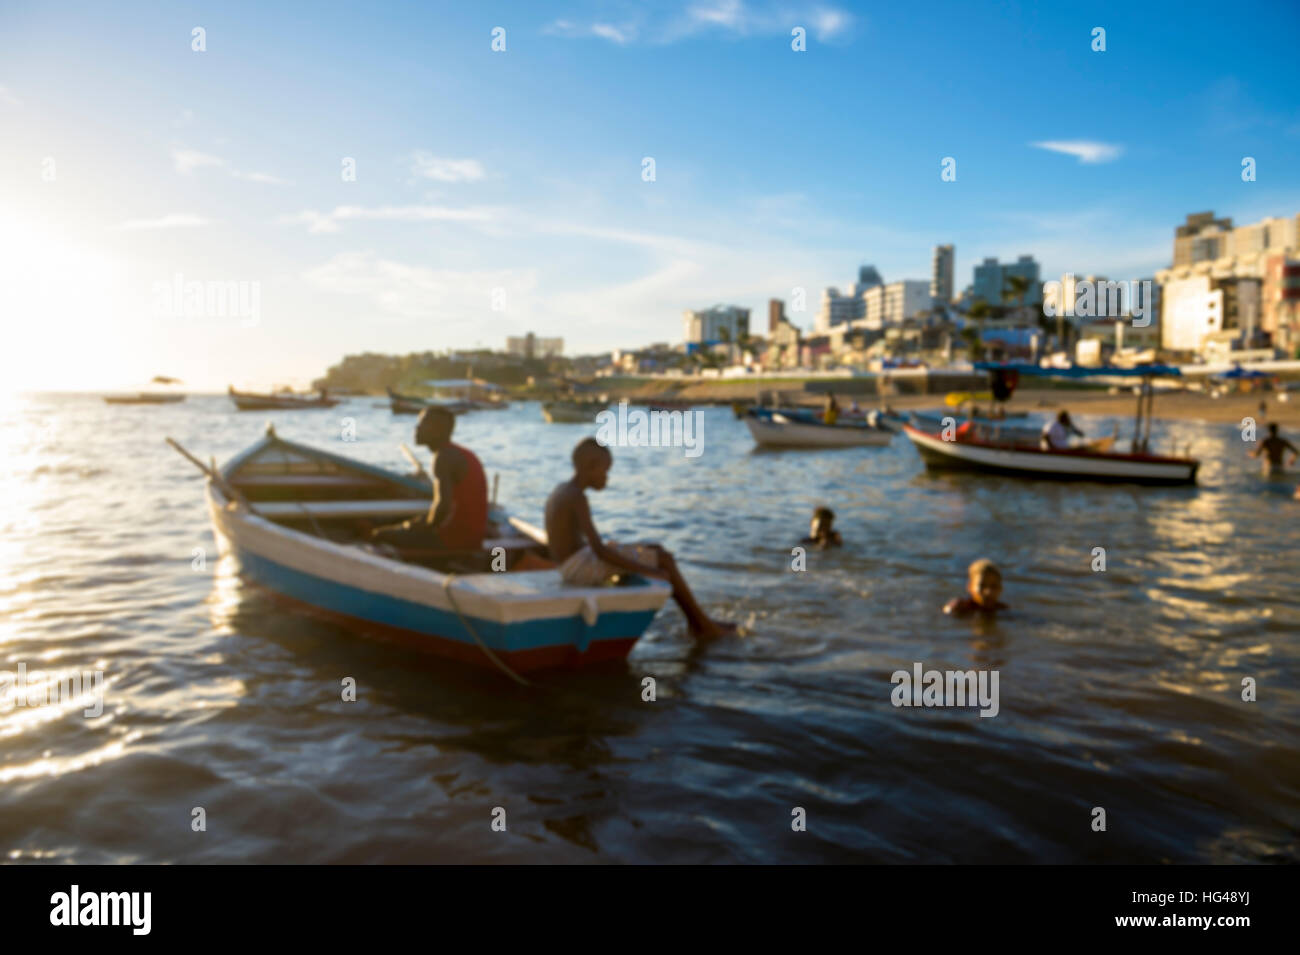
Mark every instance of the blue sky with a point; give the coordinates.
(521, 171)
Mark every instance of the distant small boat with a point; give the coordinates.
(143, 398)
(410, 404)
(777, 429)
(279, 401)
(655, 404)
(571, 412)
(293, 518)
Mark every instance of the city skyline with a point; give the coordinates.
(497, 193)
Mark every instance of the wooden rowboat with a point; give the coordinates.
(571, 412)
(279, 401)
(778, 430)
(293, 519)
(409, 404)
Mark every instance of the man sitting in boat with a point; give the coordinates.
(587, 561)
(983, 588)
(1056, 435)
(1274, 449)
(832, 412)
(457, 519)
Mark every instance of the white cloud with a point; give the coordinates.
(826, 23)
(175, 221)
(829, 23)
(1087, 151)
(8, 97)
(620, 34)
(737, 17)
(185, 161)
(265, 177)
(416, 292)
(441, 169)
(730, 14)
(322, 222)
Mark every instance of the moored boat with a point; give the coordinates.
(409, 404)
(776, 429)
(279, 401)
(571, 412)
(293, 519)
(1016, 451)
(143, 398)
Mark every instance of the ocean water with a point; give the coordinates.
(1118, 690)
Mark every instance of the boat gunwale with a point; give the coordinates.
(1058, 452)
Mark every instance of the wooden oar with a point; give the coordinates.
(410, 456)
(214, 475)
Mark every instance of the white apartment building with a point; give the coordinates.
(721, 323)
(889, 304)
(1193, 312)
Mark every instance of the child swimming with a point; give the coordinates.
(983, 588)
(821, 532)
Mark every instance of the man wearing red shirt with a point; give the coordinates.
(457, 519)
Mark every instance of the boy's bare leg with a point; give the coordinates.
(700, 623)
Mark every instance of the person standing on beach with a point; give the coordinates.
(1274, 449)
(457, 518)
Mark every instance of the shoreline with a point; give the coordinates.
(1168, 406)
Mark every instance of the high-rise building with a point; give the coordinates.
(1204, 238)
(991, 281)
(775, 312)
(1201, 237)
(1212, 258)
(721, 323)
(530, 346)
(840, 309)
(941, 274)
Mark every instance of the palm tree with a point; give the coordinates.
(1018, 286)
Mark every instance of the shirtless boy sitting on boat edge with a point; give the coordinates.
(587, 561)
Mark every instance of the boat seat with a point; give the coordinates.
(341, 510)
(254, 481)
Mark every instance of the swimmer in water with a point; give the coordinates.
(1274, 449)
(821, 531)
(983, 588)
